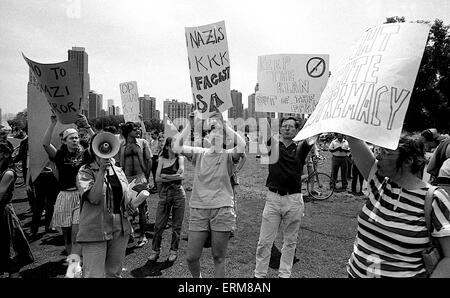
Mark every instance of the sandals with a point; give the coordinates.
(154, 255)
(142, 242)
(173, 256)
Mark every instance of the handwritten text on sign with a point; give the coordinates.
(61, 85)
(290, 83)
(368, 94)
(130, 101)
(209, 67)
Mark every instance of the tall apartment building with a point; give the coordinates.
(177, 109)
(79, 54)
(110, 108)
(251, 108)
(147, 106)
(95, 104)
(237, 110)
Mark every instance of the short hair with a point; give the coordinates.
(112, 129)
(297, 122)
(127, 128)
(411, 146)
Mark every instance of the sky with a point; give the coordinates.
(144, 41)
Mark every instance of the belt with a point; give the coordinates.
(176, 182)
(282, 192)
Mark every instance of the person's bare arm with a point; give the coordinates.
(49, 148)
(362, 156)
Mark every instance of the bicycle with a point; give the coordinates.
(318, 184)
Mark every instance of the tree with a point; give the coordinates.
(429, 105)
(19, 121)
(154, 124)
(104, 121)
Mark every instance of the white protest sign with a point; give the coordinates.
(61, 85)
(290, 83)
(368, 94)
(209, 66)
(38, 119)
(130, 101)
(170, 130)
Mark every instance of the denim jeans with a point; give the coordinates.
(279, 211)
(171, 200)
(105, 258)
(339, 162)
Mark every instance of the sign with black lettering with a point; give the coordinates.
(290, 83)
(209, 67)
(368, 94)
(61, 85)
(130, 101)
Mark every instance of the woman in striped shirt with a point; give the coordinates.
(392, 231)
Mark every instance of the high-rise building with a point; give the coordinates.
(118, 110)
(81, 57)
(110, 108)
(147, 106)
(237, 110)
(95, 104)
(251, 108)
(175, 109)
(158, 115)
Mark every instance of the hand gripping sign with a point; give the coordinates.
(61, 85)
(368, 94)
(209, 67)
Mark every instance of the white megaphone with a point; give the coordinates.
(105, 145)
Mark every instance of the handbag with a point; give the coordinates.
(432, 255)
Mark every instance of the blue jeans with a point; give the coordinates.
(171, 199)
(105, 258)
(279, 211)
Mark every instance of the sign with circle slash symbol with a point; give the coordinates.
(315, 67)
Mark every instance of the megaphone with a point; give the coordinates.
(105, 145)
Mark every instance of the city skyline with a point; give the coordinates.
(151, 48)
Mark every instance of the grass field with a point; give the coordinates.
(324, 243)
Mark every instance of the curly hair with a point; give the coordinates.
(127, 128)
(411, 146)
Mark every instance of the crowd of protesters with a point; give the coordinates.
(87, 197)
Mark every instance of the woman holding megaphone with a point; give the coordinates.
(105, 207)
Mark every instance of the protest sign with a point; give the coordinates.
(209, 67)
(38, 118)
(61, 85)
(368, 94)
(170, 130)
(290, 83)
(130, 101)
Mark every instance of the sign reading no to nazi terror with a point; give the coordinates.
(130, 101)
(368, 94)
(209, 67)
(61, 85)
(290, 83)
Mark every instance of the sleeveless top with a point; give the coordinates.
(7, 196)
(171, 170)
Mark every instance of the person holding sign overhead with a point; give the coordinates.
(284, 201)
(212, 198)
(68, 161)
(392, 227)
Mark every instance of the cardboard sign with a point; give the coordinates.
(209, 66)
(130, 101)
(61, 85)
(368, 94)
(38, 122)
(170, 129)
(290, 83)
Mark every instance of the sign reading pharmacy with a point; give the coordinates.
(291, 83)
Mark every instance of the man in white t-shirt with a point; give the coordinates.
(340, 149)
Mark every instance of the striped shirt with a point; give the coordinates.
(392, 232)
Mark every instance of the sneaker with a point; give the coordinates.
(143, 241)
(173, 256)
(154, 255)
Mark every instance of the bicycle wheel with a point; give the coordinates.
(320, 186)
